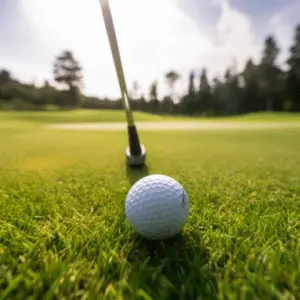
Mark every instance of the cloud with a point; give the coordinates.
(283, 27)
(237, 39)
(154, 37)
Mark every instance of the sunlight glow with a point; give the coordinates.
(150, 35)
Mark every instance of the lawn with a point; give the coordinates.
(63, 234)
(92, 116)
(79, 116)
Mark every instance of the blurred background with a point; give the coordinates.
(187, 57)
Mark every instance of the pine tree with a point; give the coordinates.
(67, 72)
(293, 74)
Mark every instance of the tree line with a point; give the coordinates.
(262, 86)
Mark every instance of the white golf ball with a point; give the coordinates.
(157, 207)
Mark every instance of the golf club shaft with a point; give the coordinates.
(134, 142)
(109, 25)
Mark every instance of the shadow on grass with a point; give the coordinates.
(177, 268)
(136, 173)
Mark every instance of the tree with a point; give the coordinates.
(172, 77)
(217, 96)
(251, 99)
(154, 103)
(49, 95)
(143, 103)
(270, 76)
(293, 74)
(167, 105)
(270, 51)
(5, 77)
(204, 85)
(187, 104)
(67, 71)
(46, 84)
(153, 91)
(204, 95)
(191, 89)
(231, 92)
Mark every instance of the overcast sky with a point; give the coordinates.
(154, 36)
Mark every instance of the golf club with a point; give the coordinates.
(136, 151)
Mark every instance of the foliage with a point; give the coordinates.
(293, 74)
(67, 71)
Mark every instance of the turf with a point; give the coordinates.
(66, 116)
(92, 116)
(63, 233)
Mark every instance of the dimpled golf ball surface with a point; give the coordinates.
(157, 207)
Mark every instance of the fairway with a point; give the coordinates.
(63, 233)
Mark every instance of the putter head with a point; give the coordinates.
(136, 160)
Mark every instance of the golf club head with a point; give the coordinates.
(136, 160)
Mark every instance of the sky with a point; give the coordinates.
(154, 36)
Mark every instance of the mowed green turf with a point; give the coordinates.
(94, 116)
(67, 116)
(63, 233)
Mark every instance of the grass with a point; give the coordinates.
(63, 233)
(93, 116)
(78, 116)
(267, 116)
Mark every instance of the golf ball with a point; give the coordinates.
(157, 207)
